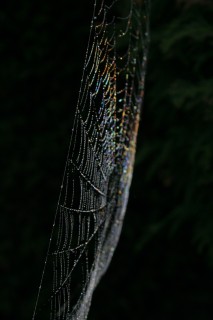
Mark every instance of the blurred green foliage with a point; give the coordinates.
(179, 112)
(164, 262)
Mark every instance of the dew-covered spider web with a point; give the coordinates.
(98, 171)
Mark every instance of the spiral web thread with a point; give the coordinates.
(98, 171)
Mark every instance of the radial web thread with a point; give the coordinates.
(98, 171)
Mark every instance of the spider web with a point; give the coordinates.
(98, 171)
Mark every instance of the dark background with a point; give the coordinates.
(163, 266)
